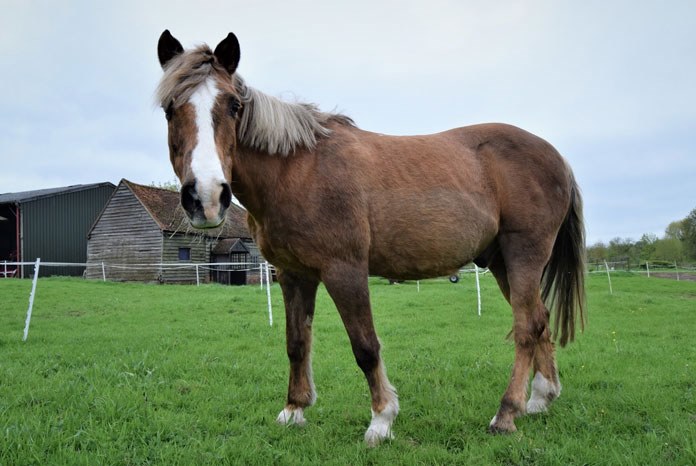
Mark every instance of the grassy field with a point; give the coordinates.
(149, 374)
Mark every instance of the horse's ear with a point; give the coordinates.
(168, 47)
(227, 53)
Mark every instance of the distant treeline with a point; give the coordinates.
(677, 245)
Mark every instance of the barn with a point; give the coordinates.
(51, 224)
(143, 227)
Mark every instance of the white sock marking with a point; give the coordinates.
(288, 417)
(380, 426)
(543, 391)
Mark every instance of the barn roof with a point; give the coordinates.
(164, 207)
(26, 196)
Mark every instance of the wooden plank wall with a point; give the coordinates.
(125, 234)
(200, 252)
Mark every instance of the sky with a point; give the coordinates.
(611, 84)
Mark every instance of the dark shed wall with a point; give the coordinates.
(8, 232)
(55, 228)
(125, 234)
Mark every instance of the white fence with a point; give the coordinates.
(264, 269)
(11, 269)
(657, 268)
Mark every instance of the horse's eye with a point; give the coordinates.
(233, 106)
(168, 112)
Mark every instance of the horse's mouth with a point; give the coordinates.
(205, 224)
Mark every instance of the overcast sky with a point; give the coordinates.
(611, 84)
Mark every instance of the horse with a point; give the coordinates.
(329, 202)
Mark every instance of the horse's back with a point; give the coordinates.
(436, 202)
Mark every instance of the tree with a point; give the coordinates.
(597, 252)
(689, 231)
(675, 230)
(646, 246)
(168, 185)
(669, 249)
(620, 248)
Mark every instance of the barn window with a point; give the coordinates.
(184, 254)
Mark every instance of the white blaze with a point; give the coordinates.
(205, 163)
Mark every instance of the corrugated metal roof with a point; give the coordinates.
(26, 196)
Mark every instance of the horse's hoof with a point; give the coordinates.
(374, 437)
(537, 405)
(500, 426)
(291, 416)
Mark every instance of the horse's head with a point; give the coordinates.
(201, 105)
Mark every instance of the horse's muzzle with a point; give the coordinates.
(207, 209)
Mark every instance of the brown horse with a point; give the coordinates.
(330, 202)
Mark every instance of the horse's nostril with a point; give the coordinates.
(189, 198)
(225, 196)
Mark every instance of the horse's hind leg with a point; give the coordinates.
(347, 285)
(299, 294)
(497, 268)
(524, 263)
(546, 386)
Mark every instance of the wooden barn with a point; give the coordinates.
(142, 227)
(50, 224)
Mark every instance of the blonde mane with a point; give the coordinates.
(265, 123)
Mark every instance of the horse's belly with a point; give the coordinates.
(414, 269)
(430, 236)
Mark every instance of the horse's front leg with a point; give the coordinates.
(347, 285)
(299, 294)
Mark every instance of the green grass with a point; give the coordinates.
(146, 374)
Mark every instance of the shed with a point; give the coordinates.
(51, 224)
(142, 227)
(236, 251)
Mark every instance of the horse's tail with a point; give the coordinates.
(563, 282)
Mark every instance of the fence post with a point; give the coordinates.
(268, 294)
(676, 270)
(647, 267)
(608, 277)
(103, 272)
(478, 290)
(31, 299)
(261, 275)
(5, 269)
(198, 280)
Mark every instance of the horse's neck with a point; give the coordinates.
(254, 179)
(258, 178)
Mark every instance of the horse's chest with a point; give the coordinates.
(281, 249)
